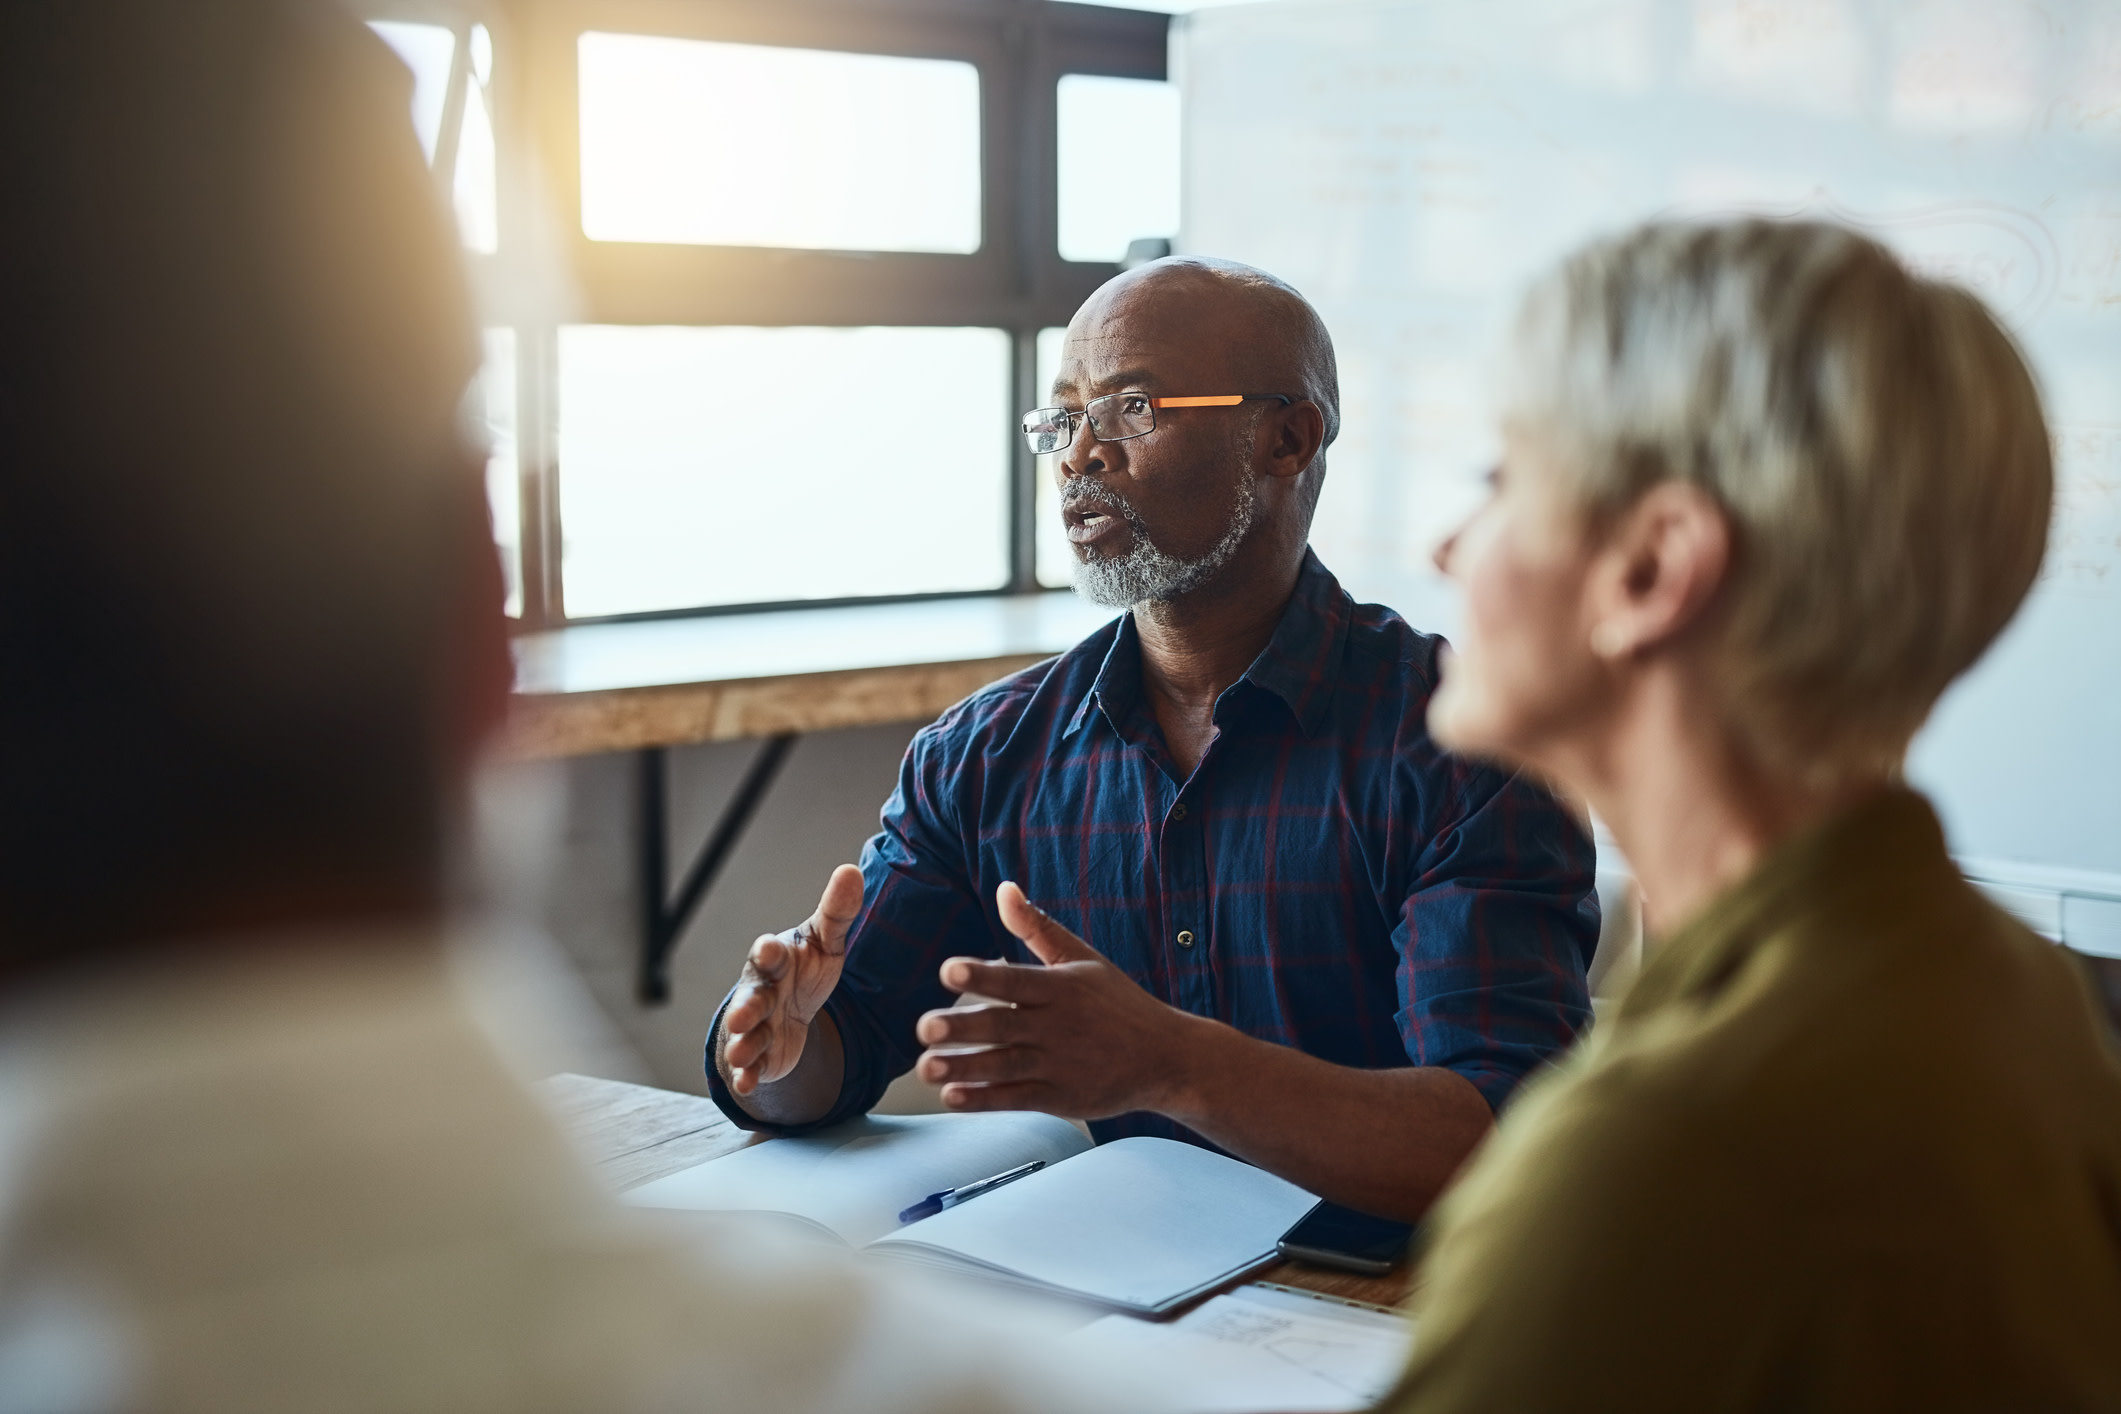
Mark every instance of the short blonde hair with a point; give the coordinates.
(1874, 437)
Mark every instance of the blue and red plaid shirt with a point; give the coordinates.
(1327, 878)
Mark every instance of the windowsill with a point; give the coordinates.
(661, 682)
(783, 642)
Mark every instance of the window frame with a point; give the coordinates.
(1016, 280)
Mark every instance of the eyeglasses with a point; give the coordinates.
(1117, 416)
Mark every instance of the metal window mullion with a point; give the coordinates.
(537, 414)
(1023, 467)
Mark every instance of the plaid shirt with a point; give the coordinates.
(1327, 878)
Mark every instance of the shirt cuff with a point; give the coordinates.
(1496, 1086)
(718, 1088)
(719, 1092)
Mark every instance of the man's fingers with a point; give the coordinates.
(1005, 982)
(1004, 1063)
(1048, 941)
(746, 1043)
(769, 957)
(747, 1079)
(837, 908)
(969, 1026)
(744, 1047)
(750, 1006)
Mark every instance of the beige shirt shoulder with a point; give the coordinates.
(1853, 1142)
(306, 1180)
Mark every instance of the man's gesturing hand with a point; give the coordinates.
(787, 977)
(1081, 1040)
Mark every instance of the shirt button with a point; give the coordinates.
(1185, 939)
(1178, 811)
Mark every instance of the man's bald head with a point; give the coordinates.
(1273, 339)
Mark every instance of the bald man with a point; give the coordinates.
(1239, 897)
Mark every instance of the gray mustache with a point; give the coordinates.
(1089, 493)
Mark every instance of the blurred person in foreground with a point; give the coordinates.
(1853, 1139)
(1283, 922)
(256, 1149)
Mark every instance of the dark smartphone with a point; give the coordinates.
(1333, 1236)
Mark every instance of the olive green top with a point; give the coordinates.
(1852, 1142)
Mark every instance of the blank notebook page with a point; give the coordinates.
(1137, 1222)
(853, 1178)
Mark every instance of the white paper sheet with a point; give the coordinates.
(852, 1180)
(1258, 1350)
(1138, 1223)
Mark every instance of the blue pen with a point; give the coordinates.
(934, 1203)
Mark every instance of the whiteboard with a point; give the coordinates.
(1411, 166)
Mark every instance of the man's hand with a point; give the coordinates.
(787, 977)
(1079, 1039)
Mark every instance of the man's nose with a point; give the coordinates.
(1084, 454)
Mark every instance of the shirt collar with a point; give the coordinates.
(1299, 664)
(1889, 847)
(1117, 686)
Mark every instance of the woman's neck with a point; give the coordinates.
(1689, 806)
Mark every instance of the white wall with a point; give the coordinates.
(1410, 166)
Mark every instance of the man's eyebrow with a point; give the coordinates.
(1138, 377)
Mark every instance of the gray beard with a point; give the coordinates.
(1145, 574)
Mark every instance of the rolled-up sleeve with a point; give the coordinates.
(918, 908)
(1496, 935)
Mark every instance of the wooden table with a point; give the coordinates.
(654, 684)
(726, 677)
(633, 1134)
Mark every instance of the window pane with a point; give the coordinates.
(477, 216)
(1118, 164)
(495, 392)
(742, 465)
(736, 144)
(1056, 561)
(426, 50)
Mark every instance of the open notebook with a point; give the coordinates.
(1139, 1225)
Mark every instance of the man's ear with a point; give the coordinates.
(1294, 437)
(1664, 559)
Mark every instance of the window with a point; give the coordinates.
(459, 139)
(804, 255)
(1118, 161)
(742, 144)
(735, 465)
(428, 50)
(474, 183)
(457, 58)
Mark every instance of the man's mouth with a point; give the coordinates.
(1089, 522)
(1091, 518)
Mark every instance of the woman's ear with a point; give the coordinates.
(1664, 559)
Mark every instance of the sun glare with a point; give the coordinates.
(704, 143)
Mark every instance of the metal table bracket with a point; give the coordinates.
(663, 918)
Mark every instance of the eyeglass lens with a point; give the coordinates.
(1113, 418)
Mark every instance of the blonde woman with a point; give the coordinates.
(1853, 1141)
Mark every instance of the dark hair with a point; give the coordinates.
(232, 495)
